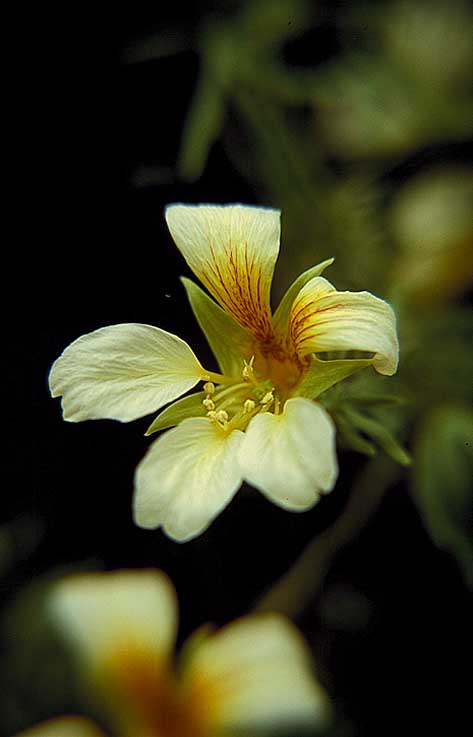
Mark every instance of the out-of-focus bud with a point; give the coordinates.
(364, 109)
(431, 40)
(408, 89)
(432, 224)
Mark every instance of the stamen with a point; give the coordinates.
(248, 372)
(268, 398)
(212, 377)
(249, 406)
(232, 407)
(221, 416)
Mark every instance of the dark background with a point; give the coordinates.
(106, 131)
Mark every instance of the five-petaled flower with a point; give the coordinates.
(254, 673)
(257, 420)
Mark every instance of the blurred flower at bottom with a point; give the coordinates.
(64, 727)
(255, 673)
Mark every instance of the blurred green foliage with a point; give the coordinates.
(442, 480)
(37, 679)
(322, 140)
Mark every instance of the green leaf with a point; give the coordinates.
(449, 375)
(351, 438)
(201, 129)
(220, 58)
(441, 483)
(190, 406)
(324, 374)
(377, 400)
(265, 26)
(381, 435)
(156, 46)
(281, 316)
(229, 342)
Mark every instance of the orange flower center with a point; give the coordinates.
(148, 701)
(282, 367)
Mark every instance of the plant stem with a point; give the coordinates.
(295, 588)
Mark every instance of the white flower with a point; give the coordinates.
(254, 421)
(255, 673)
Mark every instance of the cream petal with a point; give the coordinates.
(107, 616)
(187, 477)
(291, 457)
(323, 319)
(63, 727)
(232, 249)
(122, 372)
(258, 674)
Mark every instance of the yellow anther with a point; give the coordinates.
(221, 416)
(212, 415)
(209, 387)
(268, 398)
(208, 404)
(248, 406)
(247, 372)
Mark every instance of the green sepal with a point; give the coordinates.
(351, 438)
(380, 434)
(321, 375)
(377, 400)
(441, 484)
(281, 315)
(190, 406)
(229, 342)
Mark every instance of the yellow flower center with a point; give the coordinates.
(266, 382)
